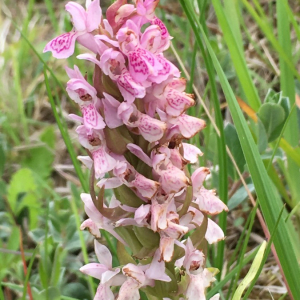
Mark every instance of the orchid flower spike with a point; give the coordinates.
(134, 125)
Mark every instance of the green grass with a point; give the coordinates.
(219, 50)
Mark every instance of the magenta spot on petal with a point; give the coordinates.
(125, 81)
(166, 68)
(62, 42)
(161, 25)
(90, 115)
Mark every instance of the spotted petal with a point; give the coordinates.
(62, 46)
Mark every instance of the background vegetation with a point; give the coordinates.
(241, 60)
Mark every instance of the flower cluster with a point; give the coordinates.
(133, 125)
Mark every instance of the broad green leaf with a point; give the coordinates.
(52, 293)
(2, 160)
(240, 196)
(273, 117)
(40, 161)
(22, 191)
(48, 137)
(123, 255)
(130, 238)
(12, 244)
(251, 273)
(262, 142)
(57, 266)
(147, 237)
(74, 291)
(234, 145)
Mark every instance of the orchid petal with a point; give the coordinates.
(78, 14)
(95, 270)
(157, 269)
(198, 178)
(129, 88)
(191, 153)
(104, 293)
(129, 290)
(138, 152)
(62, 46)
(151, 129)
(111, 111)
(166, 247)
(110, 183)
(103, 162)
(209, 203)
(91, 118)
(92, 227)
(135, 272)
(94, 15)
(213, 233)
(103, 255)
(108, 275)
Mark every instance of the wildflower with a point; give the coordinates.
(133, 121)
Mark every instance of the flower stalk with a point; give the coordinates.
(133, 125)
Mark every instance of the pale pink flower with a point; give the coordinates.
(198, 284)
(193, 260)
(104, 272)
(79, 89)
(85, 22)
(206, 200)
(126, 174)
(96, 217)
(141, 276)
(150, 128)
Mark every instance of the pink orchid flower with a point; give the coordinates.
(96, 219)
(141, 276)
(112, 63)
(193, 260)
(206, 200)
(85, 22)
(126, 174)
(104, 272)
(151, 129)
(198, 284)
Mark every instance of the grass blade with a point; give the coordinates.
(238, 58)
(264, 259)
(287, 85)
(66, 137)
(251, 274)
(268, 198)
(223, 176)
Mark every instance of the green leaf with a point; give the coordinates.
(123, 255)
(252, 272)
(12, 244)
(57, 266)
(233, 42)
(233, 143)
(52, 293)
(273, 117)
(2, 159)
(147, 237)
(22, 191)
(48, 137)
(262, 137)
(240, 196)
(76, 290)
(130, 238)
(40, 161)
